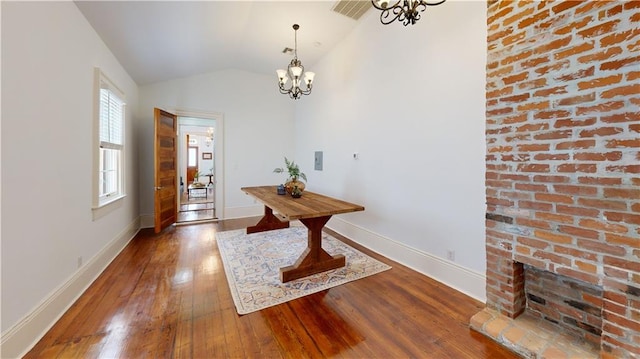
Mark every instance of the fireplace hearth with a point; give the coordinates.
(562, 318)
(533, 337)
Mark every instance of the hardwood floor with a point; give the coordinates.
(200, 208)
(166, 296)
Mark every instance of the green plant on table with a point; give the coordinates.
(294, 174)
(292, 169)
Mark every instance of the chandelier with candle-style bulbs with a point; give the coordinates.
(405, 11)
(295, 71)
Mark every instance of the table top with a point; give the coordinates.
(310, 205)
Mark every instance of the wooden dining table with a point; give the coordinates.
(314, 211)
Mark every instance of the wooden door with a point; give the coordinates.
(192, 160)
(165, 169)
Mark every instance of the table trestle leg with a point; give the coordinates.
(314, 259)
(268, 222)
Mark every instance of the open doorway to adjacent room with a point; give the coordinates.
(199, 169)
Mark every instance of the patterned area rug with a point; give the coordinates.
(252, 264)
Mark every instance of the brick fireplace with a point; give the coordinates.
(563, 174)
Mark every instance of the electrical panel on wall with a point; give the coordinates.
(318, 161)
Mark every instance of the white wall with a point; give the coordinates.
(49, 52)
(258, 130)
(411, 101)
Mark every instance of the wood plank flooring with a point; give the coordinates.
(197, 208)
(166, 296)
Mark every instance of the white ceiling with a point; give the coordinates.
(162, 40)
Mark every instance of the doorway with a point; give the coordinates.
(198, 169)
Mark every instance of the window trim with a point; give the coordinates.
(102, 206)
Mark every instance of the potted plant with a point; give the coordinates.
(295, 174)
(196, 183)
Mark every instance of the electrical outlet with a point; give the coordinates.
(451, 255)
(79, 261)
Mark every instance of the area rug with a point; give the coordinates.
(252, 264)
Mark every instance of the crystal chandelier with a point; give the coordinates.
(209, 139)
(405, 11)
(295, 71)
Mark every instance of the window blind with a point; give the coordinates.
(111, 119)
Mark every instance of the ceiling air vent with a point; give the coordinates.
(353, 9)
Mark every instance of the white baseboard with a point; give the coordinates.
(451, 274)
(147, 221)
(21, 337)
(241, 212)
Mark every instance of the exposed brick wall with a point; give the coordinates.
(563, 154)
(572, 304)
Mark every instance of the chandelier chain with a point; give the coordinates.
(295, 43)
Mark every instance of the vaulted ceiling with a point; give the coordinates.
(162, 40)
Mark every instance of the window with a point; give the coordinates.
(110, 146)
(192, 158)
